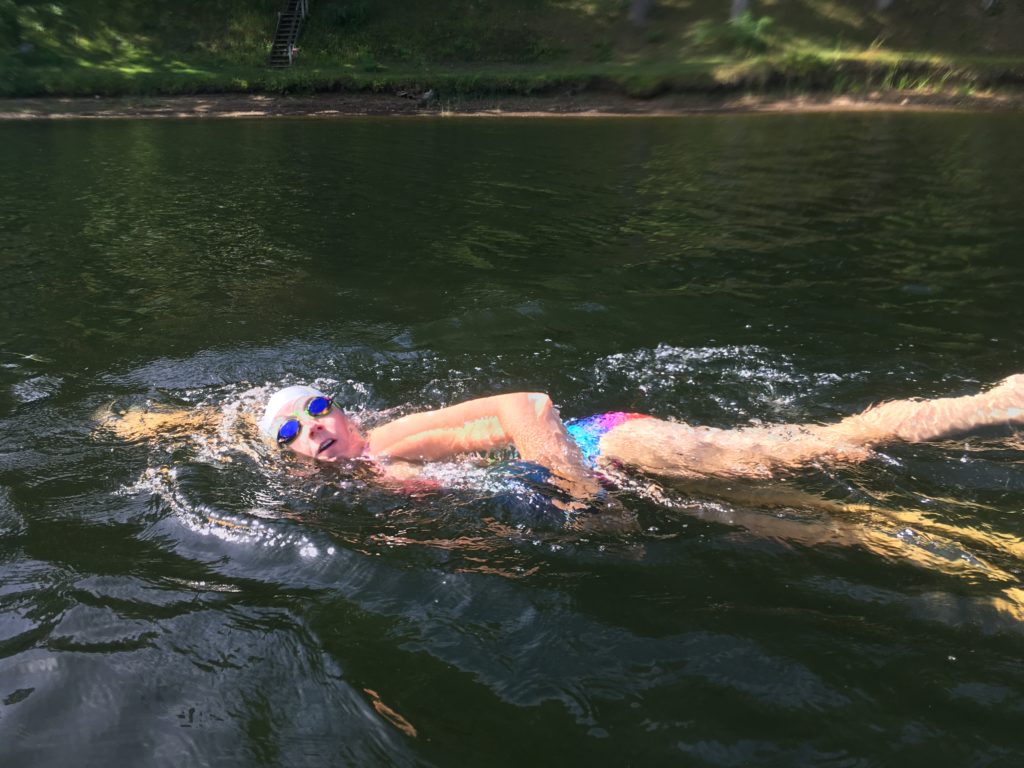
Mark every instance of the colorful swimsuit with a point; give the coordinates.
(588, 432)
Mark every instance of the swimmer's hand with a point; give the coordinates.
(581, 486)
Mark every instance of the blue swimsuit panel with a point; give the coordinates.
(588, 432)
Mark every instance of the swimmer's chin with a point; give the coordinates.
(325, 457)
(338, 450)
(330, 457)
(325, 447)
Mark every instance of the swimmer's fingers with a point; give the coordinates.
(583, 486)
(568, 506)
(603, 502)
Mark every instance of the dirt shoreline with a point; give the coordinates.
(331, 105)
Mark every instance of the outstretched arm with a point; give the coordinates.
(678, 450)
(528, 421)
(916, 421)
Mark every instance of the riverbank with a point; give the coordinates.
(471, 54)
(563, 105)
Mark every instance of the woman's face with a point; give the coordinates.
(329, 437)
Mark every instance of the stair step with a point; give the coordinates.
(289, 22)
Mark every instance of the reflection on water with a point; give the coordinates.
(198, 596)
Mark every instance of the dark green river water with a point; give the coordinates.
(199, 600)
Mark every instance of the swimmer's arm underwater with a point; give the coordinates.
(528, 421)
(136, 424)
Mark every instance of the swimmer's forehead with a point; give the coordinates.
(296, 403)
(286, 402)
(296, 406)
(290, 410)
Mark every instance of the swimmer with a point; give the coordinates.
(308, 422)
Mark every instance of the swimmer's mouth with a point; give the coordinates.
(325, 445)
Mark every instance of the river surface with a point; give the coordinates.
(198, 599)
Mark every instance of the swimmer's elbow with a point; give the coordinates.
(536, 405)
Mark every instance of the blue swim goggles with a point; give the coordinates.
(316, 407)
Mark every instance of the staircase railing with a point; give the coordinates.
(289, 21)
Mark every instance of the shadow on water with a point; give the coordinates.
(195, 595)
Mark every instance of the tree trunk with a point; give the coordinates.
(739, 7)
(638, 10)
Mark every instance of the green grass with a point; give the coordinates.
(479, 47)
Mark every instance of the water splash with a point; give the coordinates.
(259, 527)
(729, 383)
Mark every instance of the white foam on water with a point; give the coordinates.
(36, 388)
(743, 381)
(256, 526)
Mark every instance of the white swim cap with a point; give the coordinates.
(281, 400)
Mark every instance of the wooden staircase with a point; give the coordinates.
(289, 21)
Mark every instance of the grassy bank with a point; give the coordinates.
(484, 47)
